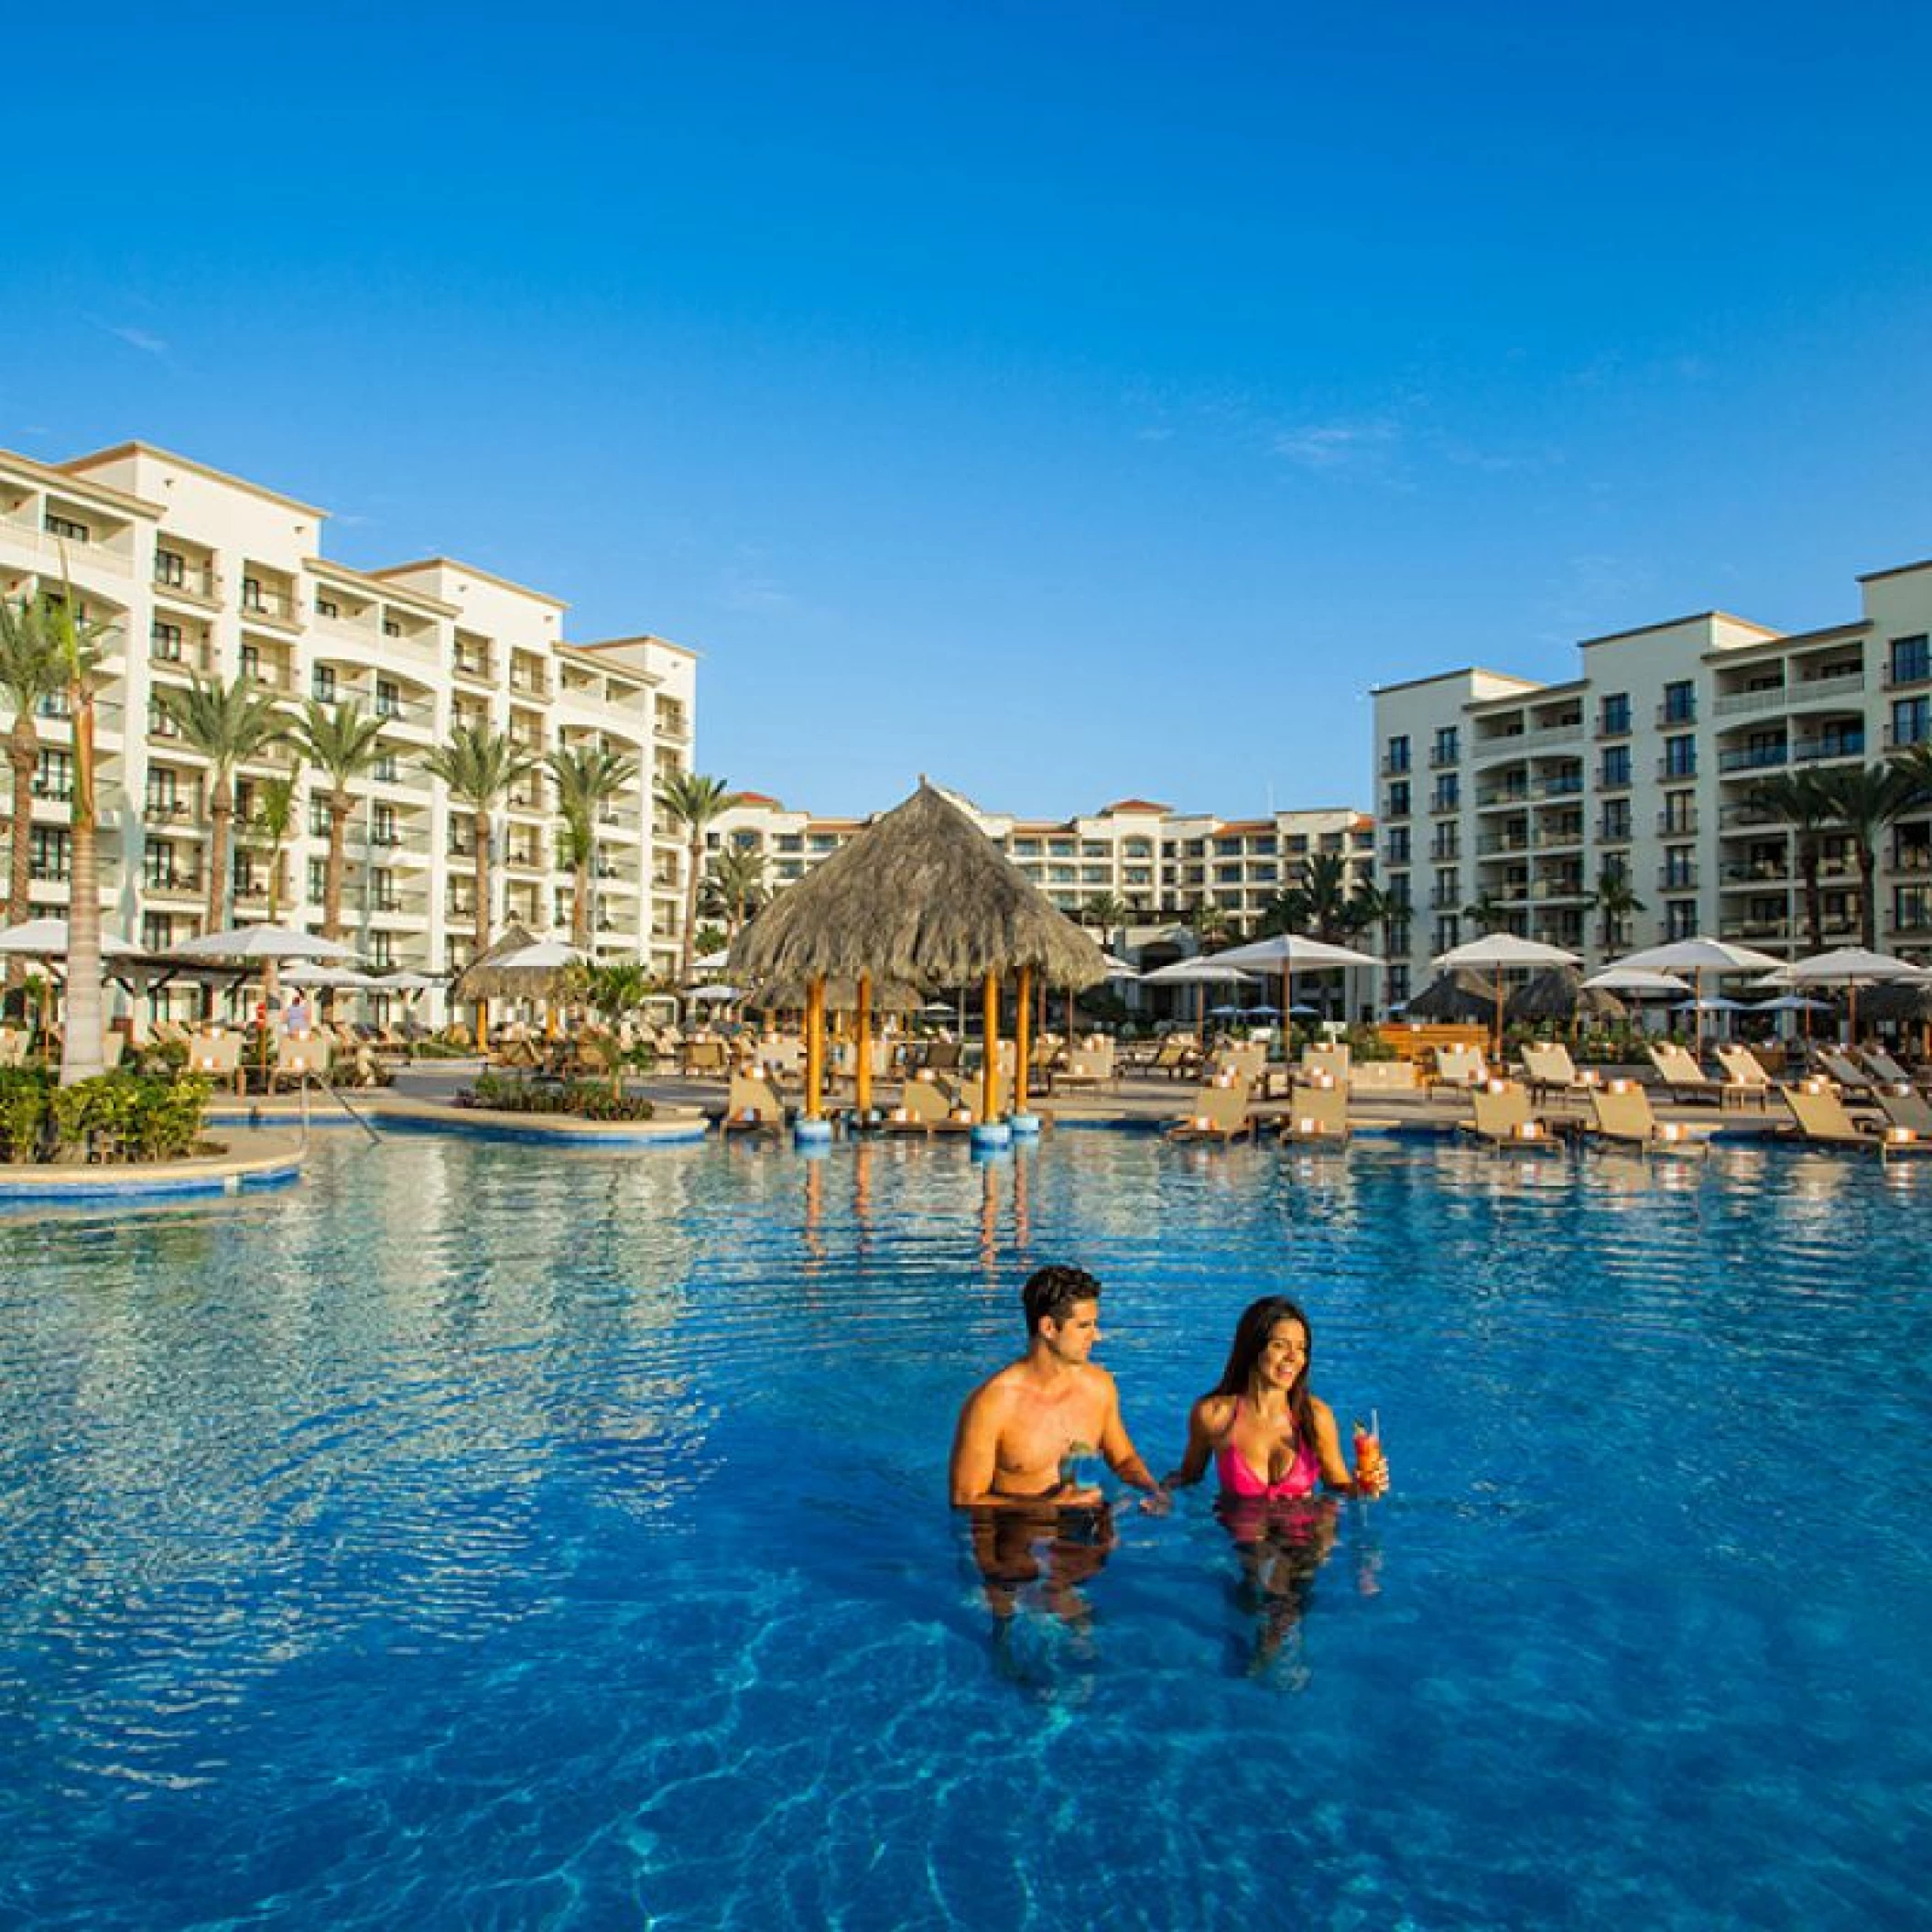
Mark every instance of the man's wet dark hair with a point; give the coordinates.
(1052, 1291)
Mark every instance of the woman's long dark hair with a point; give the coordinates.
(1257, 1322)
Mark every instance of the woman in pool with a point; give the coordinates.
(1268, 1438)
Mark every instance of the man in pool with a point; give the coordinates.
(1022, 1430)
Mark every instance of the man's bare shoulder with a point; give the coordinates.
(999, 1388)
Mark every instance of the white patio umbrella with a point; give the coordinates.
(261, 942)
(1212, 971)
(1636, 980)
(1697, 955)
(1500, 951)
(47, 939)
(309, 973)
(406, 982)
(544, 956)
(1119, 969)
(713, 995)
(1850, 967)
(1286, 950)
(714, 962)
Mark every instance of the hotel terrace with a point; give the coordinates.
(197, 571)
(1162, 866)
(1523, 795)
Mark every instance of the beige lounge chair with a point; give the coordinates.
(1331, 1057)
(1621, 1114)
(706, 1059)
(1502, 1120)
(929, 1104)
(1548, 1068)
(1461, 1067)
(1089, 1066)
(299, 1057)
(1904, 1106)
(1844, 1071)
(217, 1056)
(752, 1106)
(1177, 1056)
(1219, 1111)
(1820, 1117)
(1683, 1079)
(1744, 1075)
(1318, 1112)
(1887, 1069)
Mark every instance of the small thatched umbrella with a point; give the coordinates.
(1452, 996)
(1559, 994)
(487, 978)
(923, 897)
(841, 996)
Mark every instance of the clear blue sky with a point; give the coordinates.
(1066, 399)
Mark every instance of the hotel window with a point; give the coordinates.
(1912, 721)
(170, 569)
(318, 817)
(1680, 869)
(1911, 659)
(157, 865)
(47, 851)
(1448, 746)
(1398, 758)
(159, 725)
(1614, 721)
(1679, 816)
(1447, 794)
(327, 607)
(251, 660)
(54, 774)
(1449, 934)
(1616, 767)
(385, 770)
(1680, 918)
(1399, 799)
(383, 831)
(321, 682)
(67, 528)
(382, 949)
(318, 880)
(163, 642)
(1614, 826)
(1680, 755)
(1398, 845)
(252, 599)
(1911, 909)
(1680, 702)
(388, 698)
(391, 628)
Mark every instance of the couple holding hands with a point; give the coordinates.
(1268, 1439)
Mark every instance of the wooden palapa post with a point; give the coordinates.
(1022, 1039)
(815, 1047)
(861, 1073)
(990, 1070)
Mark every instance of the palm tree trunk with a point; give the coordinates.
(340, 805)
(581, 908)
(80, 1055)
(688, 950)
(482, 922)
(24, 751)
(1808, 861)
(221, 815)
(1867, 895)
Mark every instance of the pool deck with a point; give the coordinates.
(267, 1159)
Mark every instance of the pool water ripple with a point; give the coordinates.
(467, 1539)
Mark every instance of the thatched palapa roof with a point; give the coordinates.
(1559, 994)
(1458, 995)
(923, 895)
(841, 996)
(481, 979)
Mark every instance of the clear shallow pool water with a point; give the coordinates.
(475, 1536)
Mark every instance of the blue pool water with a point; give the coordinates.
(480, 1537)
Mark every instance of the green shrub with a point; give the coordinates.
(22, 1111)
(582, 1100)
(117, 1116)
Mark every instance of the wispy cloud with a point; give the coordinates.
(1338, 445)
(145, 339)
(759, 596)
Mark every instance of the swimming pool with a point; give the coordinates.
(472, 1537)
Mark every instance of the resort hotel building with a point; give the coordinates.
(1525, 799)
(198, 571)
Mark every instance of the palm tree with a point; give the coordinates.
(586, 776)
(1325, 895)
(273, 823)
(1915, 762)
(1373, 908)
(479, 767)
(1797, 802)
(734, 886)
(228, 724)
(30, 671)
(1864, 799)
(78, 641)
(342, 745)
(614, 989)
(1108, 911)
(1489, 912)
(1616, 899)
(1211, 923)
(691, 801)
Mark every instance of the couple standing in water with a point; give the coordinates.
(1273, 1446)
(1269, 1438)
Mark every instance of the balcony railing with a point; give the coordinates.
(1841, 745)
(1683, 824)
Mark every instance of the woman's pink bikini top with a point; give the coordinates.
(1238, 1479)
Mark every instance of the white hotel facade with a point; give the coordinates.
(1164, 866)
(1495, 789)
(198, 571)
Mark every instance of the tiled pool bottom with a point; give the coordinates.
(474, 1538)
